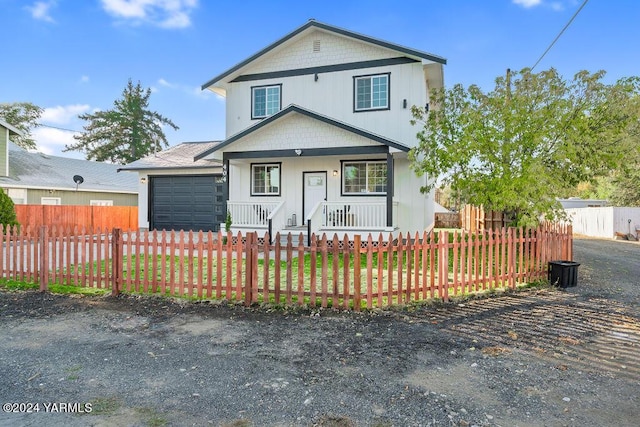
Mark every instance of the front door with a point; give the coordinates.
(314, 190)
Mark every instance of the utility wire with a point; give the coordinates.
(59, 128)
(560, 34)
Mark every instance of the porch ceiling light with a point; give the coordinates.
(335, 172)
(298, 152)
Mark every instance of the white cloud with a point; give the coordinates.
(163, 82)
(52, 141)
(61, 115)
(557, 6)
(84, 79)
(162, 13)
(527, 3)
(40, 10)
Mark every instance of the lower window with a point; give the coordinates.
(265, 179)
(364, 177)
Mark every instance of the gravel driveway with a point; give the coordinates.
(533, 358)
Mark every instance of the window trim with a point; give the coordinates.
(253, 88)
(100, 202)
(355, 93)
(361, 194)
(57, 200)
(251, 182)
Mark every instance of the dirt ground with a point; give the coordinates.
(532, 358)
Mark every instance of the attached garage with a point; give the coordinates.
(186, 202)
(177, 192)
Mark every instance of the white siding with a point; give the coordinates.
(297, 131)
(334, 49)
(415, 210)
(332, 95)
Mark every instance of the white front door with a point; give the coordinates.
(315, 190)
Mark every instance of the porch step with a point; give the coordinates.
(295, 233)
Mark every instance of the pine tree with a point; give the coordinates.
(125, 133)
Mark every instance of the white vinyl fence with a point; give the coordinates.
(605, 221)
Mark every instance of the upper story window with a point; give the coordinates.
(371, 92)
(265, 101)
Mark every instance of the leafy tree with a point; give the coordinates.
(125, 133)
(24, 117)
(626, 190)
(531, 139)
(7, 211)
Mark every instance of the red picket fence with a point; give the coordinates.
(331, 272)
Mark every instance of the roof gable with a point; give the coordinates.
(12, 130)
(313, 115)
(257, 61)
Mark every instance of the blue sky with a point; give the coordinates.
(71, 57)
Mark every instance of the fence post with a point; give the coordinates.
(254, 266)
(357, 297)
(43, 242)
(117, 261)
(511, 257)
(248, 265)
(443, 258)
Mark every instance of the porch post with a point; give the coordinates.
(389, 189)
(225, 185)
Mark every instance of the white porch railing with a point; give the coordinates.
(276, 220)
(355, 215)
(347, 216)
(251, 214)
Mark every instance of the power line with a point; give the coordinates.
(59, 128)
(560, 34)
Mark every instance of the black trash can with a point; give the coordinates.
(563, 274)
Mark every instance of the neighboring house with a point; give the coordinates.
(178, 193)
(577, 202)
(40, 179)
(318, 133)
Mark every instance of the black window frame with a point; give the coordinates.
(251, 182)
(355, 93)
(343, 163)
(253, 89)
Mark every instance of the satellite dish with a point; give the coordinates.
(78, 180)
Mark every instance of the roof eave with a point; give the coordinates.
(330, 28)
(12, 129)
(295, 108)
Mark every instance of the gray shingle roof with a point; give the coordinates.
(37, 170)
(180, 156)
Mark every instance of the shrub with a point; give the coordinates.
(7, 211)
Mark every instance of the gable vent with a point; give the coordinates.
(316, 45)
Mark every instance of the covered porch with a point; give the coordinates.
(336, 217)
(300, 172)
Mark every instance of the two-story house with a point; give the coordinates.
(318, 131)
